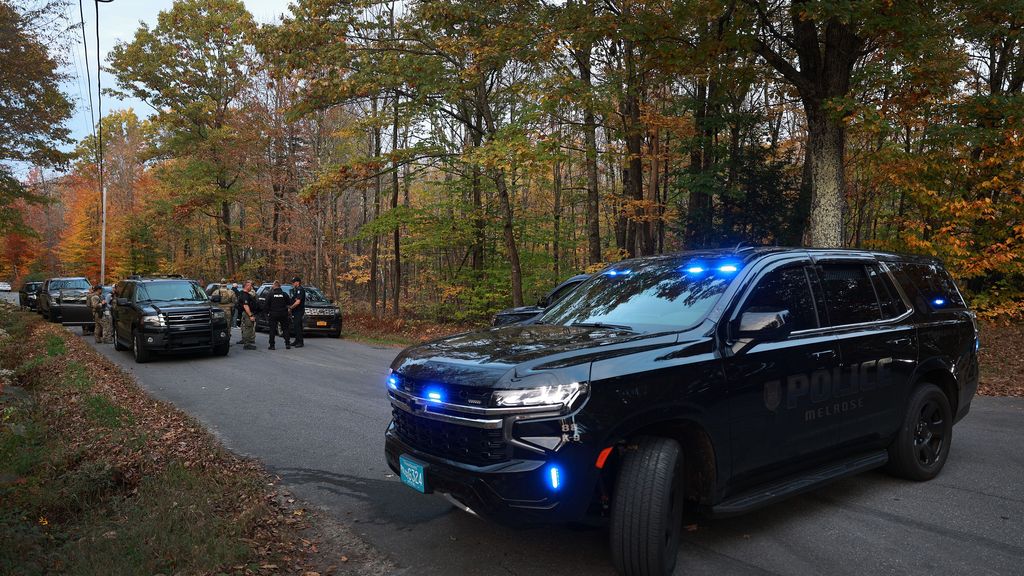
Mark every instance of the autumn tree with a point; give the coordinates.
(192, 67)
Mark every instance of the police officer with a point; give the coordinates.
(278, 305)
(227, 300)
(247, 309)
(297, 309)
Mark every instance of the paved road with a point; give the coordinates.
(316, 417)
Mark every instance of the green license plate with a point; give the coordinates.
(413, 474)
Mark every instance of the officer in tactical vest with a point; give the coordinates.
(279, 309)
(247, 309)
(96, 305)
(227, 299)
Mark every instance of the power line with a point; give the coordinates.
(85, 47)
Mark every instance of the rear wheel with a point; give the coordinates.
(138, 350)
(922, 443)
(647, 508)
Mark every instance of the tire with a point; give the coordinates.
(51, 316)
(647, 509)
(222, 350)
(138, 350)
(117, 343)
(921, 446)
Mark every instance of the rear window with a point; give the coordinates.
(932, 284)
(849, 295)
(888, 297)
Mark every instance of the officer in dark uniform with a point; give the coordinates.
(298, 310)
(278, 307)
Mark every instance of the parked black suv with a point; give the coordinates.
(164, 314)
(322, 316)
(523, 313)
(28, 296)
(63, 300)
(730, 380)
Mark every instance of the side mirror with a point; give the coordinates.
(764, 325)
(121, 301)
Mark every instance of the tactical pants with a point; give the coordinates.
(98, 327)
(106, 325)
(282, 322)
(248, 331)
(297, 327)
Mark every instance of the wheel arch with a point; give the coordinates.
(700, 456)
(939, 372)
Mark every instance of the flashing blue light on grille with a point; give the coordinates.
(554, 477)
(938, 301)
(435, 395)
(393, 382)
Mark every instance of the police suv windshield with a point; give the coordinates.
(168, 291)
(651, 296)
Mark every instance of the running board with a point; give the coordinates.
(789, 487)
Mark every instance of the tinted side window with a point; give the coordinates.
(785, 289)
(557, 294)
(929, 285)
(889, 299)
(849, 296)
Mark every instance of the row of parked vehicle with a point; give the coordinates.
(154, 314)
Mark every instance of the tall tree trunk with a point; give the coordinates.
(557, 191)
(826, 138)
(396, 274)
(593, 215)
(375, 244)
(510, 237)
(229, 245)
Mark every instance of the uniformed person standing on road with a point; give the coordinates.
(247, 309)
(96, 304)
(297, 309)
(278, 304)
(227, 301)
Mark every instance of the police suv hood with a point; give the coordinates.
(503, 357)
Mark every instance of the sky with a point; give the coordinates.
(118, 22)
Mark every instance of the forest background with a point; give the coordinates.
(445, 159)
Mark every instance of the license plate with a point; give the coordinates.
(321, 323)
(412, 473)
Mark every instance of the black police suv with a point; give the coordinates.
(165, 314)
(28, 296)
(523, 313)
(729, 380)
(322, 316)
(63, 300)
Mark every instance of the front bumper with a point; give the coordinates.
(318, 324)
(166, 340)
(515, 492)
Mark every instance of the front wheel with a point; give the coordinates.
(117, 340)
(222, 349)
(647, 508)
(922, 444)
(139, 351)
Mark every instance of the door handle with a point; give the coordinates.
(823, 354)
(899, 342)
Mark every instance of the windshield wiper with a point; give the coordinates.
(603, 325)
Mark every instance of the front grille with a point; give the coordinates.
(465, 395)
(200, 319)
(477, 446)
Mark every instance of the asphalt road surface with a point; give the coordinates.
(316, 417)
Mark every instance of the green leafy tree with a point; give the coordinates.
(32, 107)
(192, 67)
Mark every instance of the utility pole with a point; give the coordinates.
(99, 144)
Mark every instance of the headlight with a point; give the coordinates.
(156, 320)
(218, 314)
(31, 296)
(561, 396)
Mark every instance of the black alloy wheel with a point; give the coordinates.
(921, 447)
